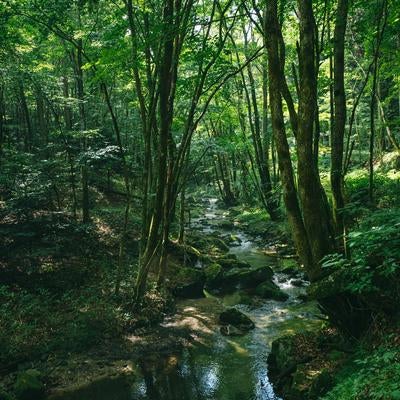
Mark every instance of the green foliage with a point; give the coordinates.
(31, 183)
(374, 267)
(371, 376)
(387, 189)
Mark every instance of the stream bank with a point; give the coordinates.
(187, 356)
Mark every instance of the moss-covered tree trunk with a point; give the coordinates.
(275, 70)
(316, 218)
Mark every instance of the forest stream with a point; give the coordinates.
(217, 366)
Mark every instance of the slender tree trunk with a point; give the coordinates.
(2, 116)
(372, 132)
(331, 90)
(259, 149)
(41, 118)
(67, 108)
(386, 126)
(380, 29)
(82, 127)
(381, 23)
(28, 137)
(181, 238)
(338, 131)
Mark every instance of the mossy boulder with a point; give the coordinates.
(303, 297)
(235, 211)
(213, 276)
(183, 253)
(233, 317)
(257, 228)
(245, 278)
(297, 370)
(189, 283)
(208, 244)
(329, 286)
(344, 307)
(269, 290)
(29, 385)
(219, 244)
(289, 266)
(230, 330)
(281, 358)
(230, 261)
(225, 224)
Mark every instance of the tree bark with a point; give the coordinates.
(28, 137)
(339, 119)
(316, 218)
(272, 30)
(82, 127)
(160, 215)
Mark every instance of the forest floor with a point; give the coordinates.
(61, 317)
(59, 313)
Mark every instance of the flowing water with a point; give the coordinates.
(215, 366)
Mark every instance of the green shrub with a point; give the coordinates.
(386, 188)
(370, 377)
(373, 271)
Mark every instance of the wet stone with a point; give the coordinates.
(237, 319)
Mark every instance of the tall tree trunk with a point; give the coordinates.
(339, 119)
(82, 128)
(156, 243)
(316, 218)
(273, 31)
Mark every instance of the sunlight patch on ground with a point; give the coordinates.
(190, 317)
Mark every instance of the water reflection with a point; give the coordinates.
(222, 374)
(222, 368)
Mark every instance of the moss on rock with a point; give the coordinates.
(187, 282)
(214, 275)
(29, 385)
(245, 278)
(269, 290)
